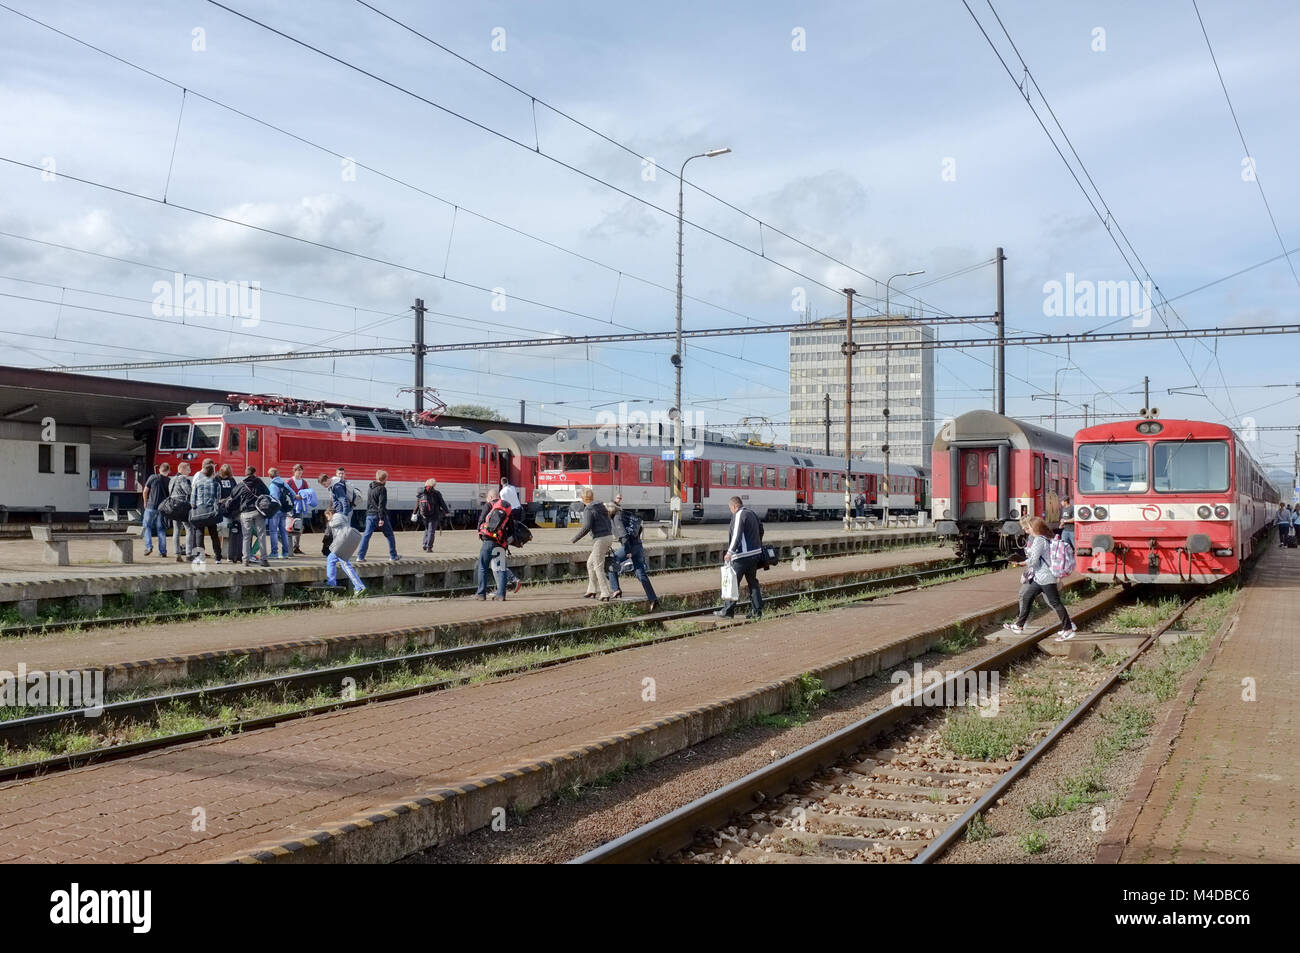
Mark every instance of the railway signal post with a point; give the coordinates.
(849, 348)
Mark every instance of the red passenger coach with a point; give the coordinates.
(1167, 501)
(273, 432)
(989, 472)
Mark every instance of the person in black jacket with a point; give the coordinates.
(252, 523)
(377, 517)
(226, 485)
(430, 507)
(628, 545)
(744, 552)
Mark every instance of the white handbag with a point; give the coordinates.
(730, 584)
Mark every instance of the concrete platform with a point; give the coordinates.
(380, 782)
(1229, 790)
(174, 651)
(30, 587)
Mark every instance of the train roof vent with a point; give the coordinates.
(207, 410)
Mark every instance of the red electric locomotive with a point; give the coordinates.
(270, 432)
(989, 472)
(1167, 501)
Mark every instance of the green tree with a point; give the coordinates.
(477, 411)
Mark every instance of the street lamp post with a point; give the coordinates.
(884, 513)
(675, 501)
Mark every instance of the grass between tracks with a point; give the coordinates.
(1127, 723)
(164, 604)
(181, 717)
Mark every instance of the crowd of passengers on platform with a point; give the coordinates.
(264, 519)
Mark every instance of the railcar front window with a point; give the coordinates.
(551, 463)
(174, 437)
(575, 462)
(1199, 466)
(206, 437)
(1113, 468)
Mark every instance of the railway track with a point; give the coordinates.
(879, 790)
(325, 597)
(19, 732)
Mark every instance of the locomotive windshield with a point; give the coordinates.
(174, 437)
(1113, 468)
(1199, 466)
(565, 462)
(206, 437)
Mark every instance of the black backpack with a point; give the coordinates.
(267, 505)
(520, 535)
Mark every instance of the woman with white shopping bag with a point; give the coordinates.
(744, 554)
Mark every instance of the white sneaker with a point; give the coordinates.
(1067, 634)
(1012, 627)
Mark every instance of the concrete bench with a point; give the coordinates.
(56, 545)
(863, 522)
(46, 513)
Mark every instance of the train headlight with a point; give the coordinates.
(1221, 511)
(1085, 513)
(947, 514)
(1099, 512)
(1203, 512)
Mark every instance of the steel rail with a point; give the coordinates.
(21, 731)
(664, 836)
(180, 615)
(950, 834)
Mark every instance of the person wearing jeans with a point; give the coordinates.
(1039, 578)
(275, 523)
(377, 517)
(179, 491)
(628, 547)
(252, 522)
(155, 491)
(343, 543)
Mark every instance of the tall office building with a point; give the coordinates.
(817, 369)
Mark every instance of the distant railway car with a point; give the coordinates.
(270, 432)
(1167, 501)
(779, 484)
(989, 472)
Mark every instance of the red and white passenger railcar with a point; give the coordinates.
(1167, 501)
(777, 483)
(276, 433)
(990, 472)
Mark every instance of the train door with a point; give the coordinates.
(698, 483)
(978, 492)
(254, 449)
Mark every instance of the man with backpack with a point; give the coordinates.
(304, 503)
(744, 555)
(494, 530)
(1046, 563)
(627, 539)
(253, 502)
(430, 508)
(276, 524)
(177, 508)
(377, 517)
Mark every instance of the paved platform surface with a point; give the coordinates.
(1230, 790)
(21, 559)
(109, 646)
(277, 784)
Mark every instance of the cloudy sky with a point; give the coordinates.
(886, 136)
